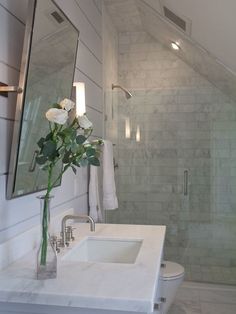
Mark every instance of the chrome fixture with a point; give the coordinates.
(5, 89)
(128, 95)
(55, 243)
(185, 182)
(67, 232)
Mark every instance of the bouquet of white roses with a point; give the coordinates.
(66, 142)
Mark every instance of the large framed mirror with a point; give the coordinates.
(46, 77)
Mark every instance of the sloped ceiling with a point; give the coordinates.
(209, 49)
(213, 26)
(125, 15)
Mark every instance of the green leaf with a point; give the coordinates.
(45, 167)
(61, 135)
(49, 136)
(74, 147)
(66, 157)
(40, 142)
(55, 105)
(83, 162)
(49, 149)
(94, 161)
(53, 156)
(74, 169)
(41, 160)
(67, 139)
(68, 132)
(90, 152)
(80, 151)
(73, 134)
(80, 139)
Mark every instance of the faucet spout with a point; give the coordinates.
(74, 217)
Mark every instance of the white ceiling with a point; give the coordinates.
(213, 25)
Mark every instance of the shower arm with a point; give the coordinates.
(113, 86)
(127, 93)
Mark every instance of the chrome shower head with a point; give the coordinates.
(128, 95)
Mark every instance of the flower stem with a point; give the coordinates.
(45, 220)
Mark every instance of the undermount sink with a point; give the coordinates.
(105, 250)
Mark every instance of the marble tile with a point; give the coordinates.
(185, 307)
(186, 294)
(217, 308)
(204, 299)
(218, 296)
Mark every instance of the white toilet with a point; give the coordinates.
(172, 275)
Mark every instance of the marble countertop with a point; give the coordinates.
(114, 286)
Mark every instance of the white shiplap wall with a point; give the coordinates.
(22, 213)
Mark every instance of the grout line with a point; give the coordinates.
(10, 66)
(99, 111)
(207, 286)
(90, 51)
(89, 77)
(9, 12)
(7, 119)
(34, 216)
(71, 199)
(94, 28)
(95, 4)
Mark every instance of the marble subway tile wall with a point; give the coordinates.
(110, 76)
(185, 124)
(20, 214)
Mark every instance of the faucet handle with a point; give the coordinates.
(69, 233)
(55, 243)
(63, 241)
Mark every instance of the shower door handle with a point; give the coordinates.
(185, 182)
(116, 166)
(33, 161)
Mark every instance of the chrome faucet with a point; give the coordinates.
(64, 228)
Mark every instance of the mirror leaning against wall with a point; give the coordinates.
(46, 77)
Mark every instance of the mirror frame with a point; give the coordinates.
(20, 101)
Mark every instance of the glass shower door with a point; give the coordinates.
(176, 168)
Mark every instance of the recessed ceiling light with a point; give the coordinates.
(175, 45)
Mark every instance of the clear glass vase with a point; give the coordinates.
(47, 256)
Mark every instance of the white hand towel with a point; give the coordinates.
(94, 201)
(109, 187)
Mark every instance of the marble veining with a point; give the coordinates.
(124, 287)
(196, 298)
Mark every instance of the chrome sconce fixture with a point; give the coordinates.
(5, 89)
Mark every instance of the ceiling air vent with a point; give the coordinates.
(181, 22)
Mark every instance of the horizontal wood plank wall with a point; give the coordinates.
(22, 213)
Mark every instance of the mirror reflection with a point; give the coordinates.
(49, 80)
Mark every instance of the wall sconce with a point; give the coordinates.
(138, 135)
(80, 98)
(127, 128)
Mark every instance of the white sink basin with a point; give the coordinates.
(105, 250)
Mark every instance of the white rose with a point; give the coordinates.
(84, 122)
(59, 116)
(67, 104)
